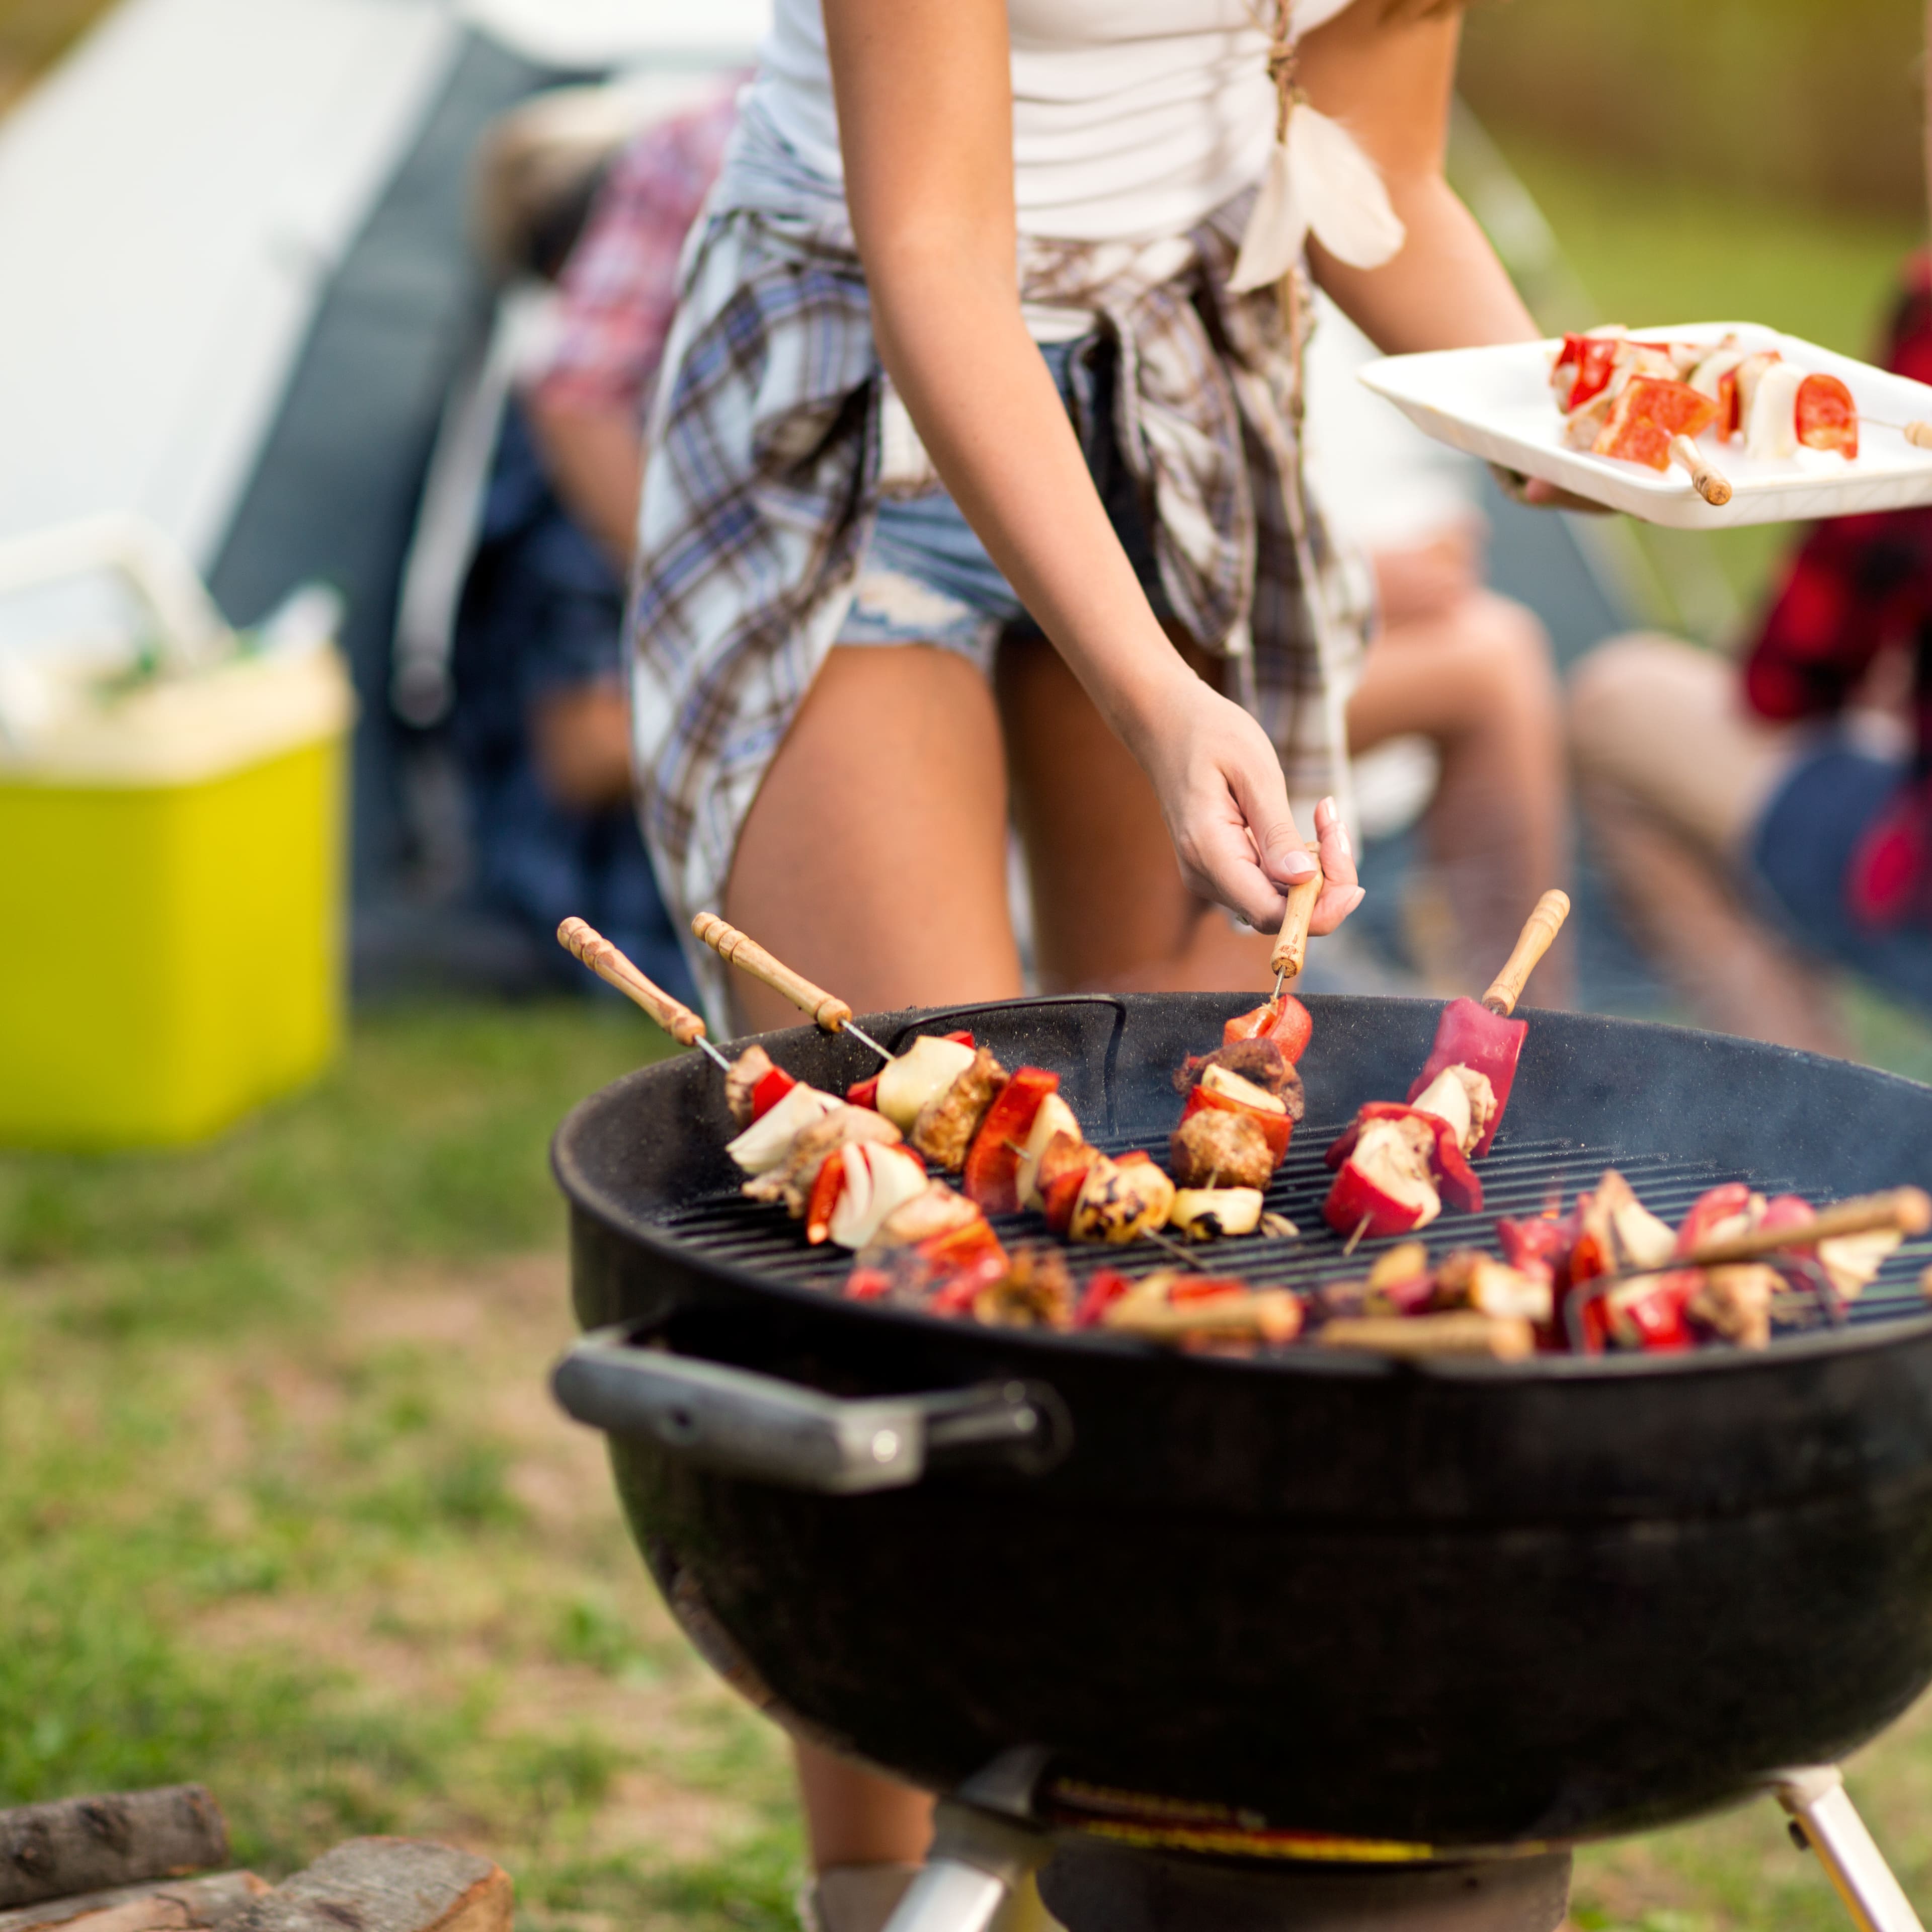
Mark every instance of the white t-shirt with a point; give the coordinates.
(1132, 118)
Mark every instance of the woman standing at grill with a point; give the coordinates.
(989, 337)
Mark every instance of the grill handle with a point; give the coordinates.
(744, 1423)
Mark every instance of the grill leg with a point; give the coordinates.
(975, 1862)
(1823, 1816)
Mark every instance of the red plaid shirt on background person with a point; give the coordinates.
(619, 288)
(1855, 586)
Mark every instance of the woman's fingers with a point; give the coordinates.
(1341, 893)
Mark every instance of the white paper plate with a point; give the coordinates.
(1496, 403)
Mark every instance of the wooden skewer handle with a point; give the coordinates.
(1269, 1315)
(1709, 482)
(1290, 945)
(1918, 434)
(1539, 935)
(748, 956)
(614, 969)
(1503, 1338)
(1908, 1210)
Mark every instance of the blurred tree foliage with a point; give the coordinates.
(1815, 98)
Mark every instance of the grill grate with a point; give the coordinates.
(1519, 1178)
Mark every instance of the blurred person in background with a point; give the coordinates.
(1766, 823)
(542, 722)
(1456, 721)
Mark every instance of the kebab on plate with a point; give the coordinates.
(1631, 400)
(1398, 1162)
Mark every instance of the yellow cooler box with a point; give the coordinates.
(171, 894)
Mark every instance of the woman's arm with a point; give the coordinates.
(925, 101)
(1389, 77)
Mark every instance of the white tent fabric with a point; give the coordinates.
(173, 201)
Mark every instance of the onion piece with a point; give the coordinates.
(766, 1142)
(892, 1176)
(1055, 1117)
(924, 1071)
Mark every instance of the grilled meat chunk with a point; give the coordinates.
(747, 1070)
(947, 1123)
(814, 1145)
(1260, 1062)
(941, 1209)
(1120, 1200)
(1036, 1291)
(1216, 1149)
(1734, 1302)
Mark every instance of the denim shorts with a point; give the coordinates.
(926, 578)
(1799, 858)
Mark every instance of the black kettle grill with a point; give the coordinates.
(1319, 1605)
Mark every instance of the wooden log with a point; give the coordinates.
(180, 1905)
(93, 1844)
(386, 1885)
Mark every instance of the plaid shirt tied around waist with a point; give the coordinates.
(763, 484)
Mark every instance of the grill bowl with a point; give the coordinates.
(1462, 1605)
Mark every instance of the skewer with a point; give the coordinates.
(1539, 935)
(587, 944)
(825, 1009)
(1709, 481)
(1174, 1248)
(1290, 945)
(1918, 434)
(1354, 1241)
(1903, 1210)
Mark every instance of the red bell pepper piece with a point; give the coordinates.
(1716, 1205)
(1203, 1288)
(1594, 359)
(992, 1163)
(1058, 1196)
(1543, 1241)
(1787, 1210)
(1469, 1035)
(1827, 419)
(1276, 1128)
(1355, 1199)
(1459, 1186)
(771, 1088)
(826, 1186)
(1649, 1314)
(962, 1038)
(1105, 1286)
(968, 1260)
(864, 1093)
(1286, 1021)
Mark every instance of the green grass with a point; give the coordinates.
(286, 1509)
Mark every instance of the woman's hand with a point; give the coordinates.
(1221, 793)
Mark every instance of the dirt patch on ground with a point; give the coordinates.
(427, 1628)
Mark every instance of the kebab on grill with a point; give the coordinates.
(1610, 1275)
(942, 1094)
(1398, 1162)
(1628, 399)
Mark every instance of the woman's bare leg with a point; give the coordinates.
(1673, 773)
(873, 859)
(1109, 907)
(1477, 680)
